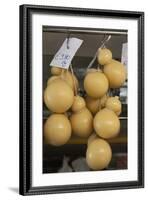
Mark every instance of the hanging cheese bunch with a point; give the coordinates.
(115, 71)
(98, 154)
(57, 129)
(96, 84)
(104, 56)
(58, 96)
(82, 122)
(114, 104)
(74, 114)
(106, 124)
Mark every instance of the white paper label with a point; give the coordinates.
(124, 57)
(66, 53)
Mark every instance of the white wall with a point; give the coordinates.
(9, 71)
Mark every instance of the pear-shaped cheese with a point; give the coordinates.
(58, 96)
(116, 73)
(78, 104)
(57, 129)
(114, 104)
(98, 154)
(103, 101)
(106, 124)
(92, 104)
(82, 123)
(96, 84)
(104, 56)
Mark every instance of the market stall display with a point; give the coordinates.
(86, 108)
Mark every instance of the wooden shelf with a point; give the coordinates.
(122, 139)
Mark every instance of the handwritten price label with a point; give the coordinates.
(66, 53)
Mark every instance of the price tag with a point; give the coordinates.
(66, 53)
(124, 57)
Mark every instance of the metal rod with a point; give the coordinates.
(84, 30)
(105, 40)
(93, 60)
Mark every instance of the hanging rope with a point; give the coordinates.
(74, 82)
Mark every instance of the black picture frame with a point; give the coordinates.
(25, 187)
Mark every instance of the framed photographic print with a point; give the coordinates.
(81, 99)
